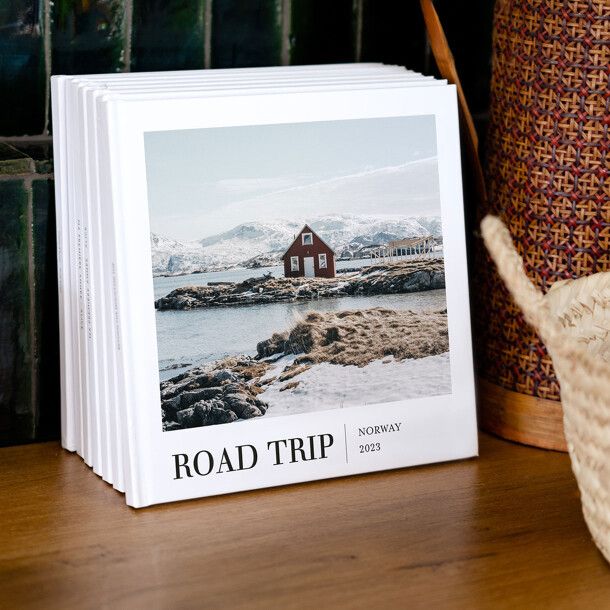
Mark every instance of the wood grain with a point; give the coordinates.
(521, 418)
(501, 531)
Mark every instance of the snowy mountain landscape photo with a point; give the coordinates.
(352, 237)
(296, 268)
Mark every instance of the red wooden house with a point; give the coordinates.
(309, 256)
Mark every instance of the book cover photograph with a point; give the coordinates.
(297, 268)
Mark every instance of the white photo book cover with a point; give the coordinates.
(298, 269)
(262, 276)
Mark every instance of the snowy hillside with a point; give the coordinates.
(348, 234)
(432, 224)
(249, 240)
(170, 256)
(262, 244)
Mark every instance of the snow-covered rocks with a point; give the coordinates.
(331, 386)
(218, 394)
(327, 360)
(405, 277)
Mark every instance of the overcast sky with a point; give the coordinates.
(205, 181)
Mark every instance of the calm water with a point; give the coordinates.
(187, 338)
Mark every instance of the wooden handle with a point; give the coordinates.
(446, 65)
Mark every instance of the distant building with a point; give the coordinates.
(403, 247)
(309, 256)
(411, 245)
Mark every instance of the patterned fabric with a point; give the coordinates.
(547, 170)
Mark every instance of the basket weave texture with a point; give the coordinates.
(547, 170)
(573, 319)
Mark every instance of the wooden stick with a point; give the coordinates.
(446, 65)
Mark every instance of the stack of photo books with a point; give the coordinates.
(262, 276)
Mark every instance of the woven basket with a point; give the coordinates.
(548, 179)
(573, 320)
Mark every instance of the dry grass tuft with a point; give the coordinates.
(290, 386)
(359, 337)
(293, 372)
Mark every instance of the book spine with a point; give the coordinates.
(71, 278)
(113, 302)
(96, 395)
(68, 440)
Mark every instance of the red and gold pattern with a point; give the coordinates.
(547, 170)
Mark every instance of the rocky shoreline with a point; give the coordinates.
(234, 388)
(215, 394)
(404, 277)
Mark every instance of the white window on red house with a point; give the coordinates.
(307, 239)
(322, 261)
(294, 263)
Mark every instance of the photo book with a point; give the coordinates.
(262, 276)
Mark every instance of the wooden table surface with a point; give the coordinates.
(501, 531)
